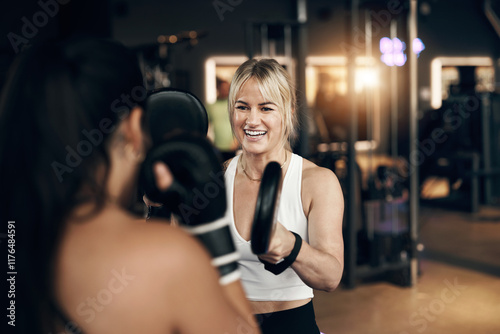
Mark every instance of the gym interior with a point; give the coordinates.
(400, 98)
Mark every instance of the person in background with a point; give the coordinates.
(219, 125)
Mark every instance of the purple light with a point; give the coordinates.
(392, 51)
(385, 45)
(398, 46)
(399, 59)
(388, 59)
(418, 46)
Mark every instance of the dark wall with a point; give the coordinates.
(447, 27)
(451, 28)
(26, 22)
(224, 28)
(455, 28)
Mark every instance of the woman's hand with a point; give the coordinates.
(164, 180)
(280, 246)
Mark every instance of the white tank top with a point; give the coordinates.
(260, 284)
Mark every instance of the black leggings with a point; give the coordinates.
(300, 320)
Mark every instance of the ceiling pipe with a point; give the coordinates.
(492, 16)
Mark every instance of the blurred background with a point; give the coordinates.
(400, 98)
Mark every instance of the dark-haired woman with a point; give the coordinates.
(71, 143)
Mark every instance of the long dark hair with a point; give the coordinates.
(58, 108)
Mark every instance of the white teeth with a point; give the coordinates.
(255, 133)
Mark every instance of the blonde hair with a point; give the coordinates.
(275, 85)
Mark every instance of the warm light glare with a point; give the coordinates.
(213, 66)
(330, 74)
(366, 77)
(210, 81)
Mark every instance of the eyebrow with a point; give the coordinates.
(260, 104)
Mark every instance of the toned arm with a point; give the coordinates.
(320, 262)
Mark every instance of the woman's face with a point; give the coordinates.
(257, 121)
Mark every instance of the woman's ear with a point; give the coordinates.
(134, 131)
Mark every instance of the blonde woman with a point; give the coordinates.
(262, 109)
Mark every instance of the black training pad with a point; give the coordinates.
(197, 193)
(169, 110)
(266, 208)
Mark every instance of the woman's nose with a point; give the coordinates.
(253, 118)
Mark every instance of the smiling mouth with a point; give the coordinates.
(254, 134)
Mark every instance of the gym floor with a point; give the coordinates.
(458, 290)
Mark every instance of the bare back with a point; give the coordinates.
(118, 274)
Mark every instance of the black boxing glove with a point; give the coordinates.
(197, 196)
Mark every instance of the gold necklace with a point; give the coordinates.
(258, 180)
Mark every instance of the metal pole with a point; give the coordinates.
(352, 209)
(249, 38)
(303, 149)
(264, 42)
(394, 98)
(414, 188)
(369, 114)
(287, 29)
(394, 125)
(369, 92)
(486, 147)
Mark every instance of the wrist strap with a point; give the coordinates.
(287, 261)
(217, 239)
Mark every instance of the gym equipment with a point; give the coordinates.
(266, 213)
(169, 110)
(197, 195)
(265, 218)
(178, 124)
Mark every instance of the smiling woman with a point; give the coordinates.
(257, 122)
(262, 113)
(253, 83)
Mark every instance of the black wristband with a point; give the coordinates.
(295, 251)
(287, 261)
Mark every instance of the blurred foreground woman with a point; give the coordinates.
(71, 144)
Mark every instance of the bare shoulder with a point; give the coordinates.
(319, 185)
(315, 177)
(121, 240)
(137, 261)
(169, 246)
